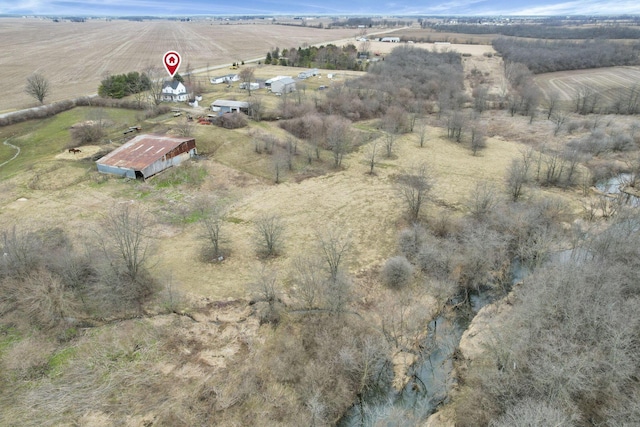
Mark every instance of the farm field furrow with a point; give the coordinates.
(602, 80)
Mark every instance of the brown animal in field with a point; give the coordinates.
(75, 150)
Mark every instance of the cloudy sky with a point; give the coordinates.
(324, 7)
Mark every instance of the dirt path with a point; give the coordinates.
(8, 144)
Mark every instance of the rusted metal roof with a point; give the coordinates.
(142, 151)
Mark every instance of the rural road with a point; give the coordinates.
(8, 144)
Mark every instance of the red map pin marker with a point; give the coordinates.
(171, 61)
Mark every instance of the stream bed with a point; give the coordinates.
(431, 377)
(615, 186)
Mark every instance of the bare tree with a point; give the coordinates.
(480, 98)
(269, 233)
(482, 200)
(37, 87)
(389, 141)
(156, 83)
(559, 118)
(478, 138)
(414, 188)
(280, 160)
(339, 139)
(212, 218)
(551, 99)
(394, 122)
(334, 244)
(265, 290)
(455, 125)
(516, 178)
(125, 239)
(371, 155)
(256, 108)
(125, 242)
(422, 133)
(246, 77)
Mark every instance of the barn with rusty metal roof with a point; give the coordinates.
(146, 155)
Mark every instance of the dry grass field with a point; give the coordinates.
(76, 56)
(606, 81)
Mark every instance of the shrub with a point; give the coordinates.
(397, 272)
(85, 134)
(232, 120)
(411, 239)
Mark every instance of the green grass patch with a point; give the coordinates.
(187, 173)
(8, 337)
(58, 360)
(40, 140)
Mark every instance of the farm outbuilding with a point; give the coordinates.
(281, 86)
(222, 106)
(390, 39)
(308, 73)
(252, 85)
(229, 78)
(270, 81)
(147, 155)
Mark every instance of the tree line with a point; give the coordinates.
(547, 56)
(121, 85)
(329, 57)
(545, 31)
(356, 22)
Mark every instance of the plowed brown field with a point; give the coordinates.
(606, 81)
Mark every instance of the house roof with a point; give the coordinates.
(276, 78)
(228, 103)
(285, 81)
(173, 83)
(142, 151)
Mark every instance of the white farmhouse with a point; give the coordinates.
(174, 91)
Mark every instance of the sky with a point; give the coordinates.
(318, 7)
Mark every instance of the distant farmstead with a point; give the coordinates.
(390, 39)
(147, 155)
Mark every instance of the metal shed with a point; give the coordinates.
(308, 73)
(283, 86)
(222, 106)
(146, 155)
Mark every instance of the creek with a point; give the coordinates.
(615, 186)
(431, 377)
